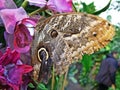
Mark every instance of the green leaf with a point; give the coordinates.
(56, 85)
(31, 85)
(103, 9)
(87, 62)
(90, 8)
(114, 44)
(73, 79)
(109, 17)
(41, 86)
(18, 2)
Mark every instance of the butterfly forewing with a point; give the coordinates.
(66, 37)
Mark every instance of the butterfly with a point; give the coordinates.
(62, 39)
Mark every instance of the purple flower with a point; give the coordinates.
(23, 35)
(60, 5)
(2, 5)
(22, 38)
(39, 3)
(7, 4)
(1, 70)
(9, 57)
(9, 39)
(14, 73)
(19, 29)
(54, 5)
(11, 16)
(11, 71)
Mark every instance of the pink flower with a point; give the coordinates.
(14, 74)
(16, 22)
(22, 38)
(11, 16)
(9, 39)
(23, 35)
(1, 70)
(54, 5)
(39, 3)
(4, 4)
(11, 71)
(9, 57)
(60, 5)
(7, 4)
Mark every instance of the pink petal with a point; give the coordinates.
(11, 16)
(30, 24)
(3, 80)
(14, 73)
(25, 68)
(22, 38)
(9, 57)
(7, 4)
(39, 3)
(14, 87)
(1, 70)
(9, 39)
(29, 21)
(4, 4)
(60, 5)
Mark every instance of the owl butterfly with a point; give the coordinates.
(62, 39)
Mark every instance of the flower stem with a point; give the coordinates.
(49, 13)
(60, 84)
(37, 11)
(64, 81)
(24, 4)
(74, 8)
(53, 79)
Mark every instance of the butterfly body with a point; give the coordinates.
(66, 37)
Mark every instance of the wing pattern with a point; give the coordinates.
(66, 37)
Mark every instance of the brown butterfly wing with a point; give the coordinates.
(66, 37)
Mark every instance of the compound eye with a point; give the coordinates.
(94, 34)
(54, 33)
